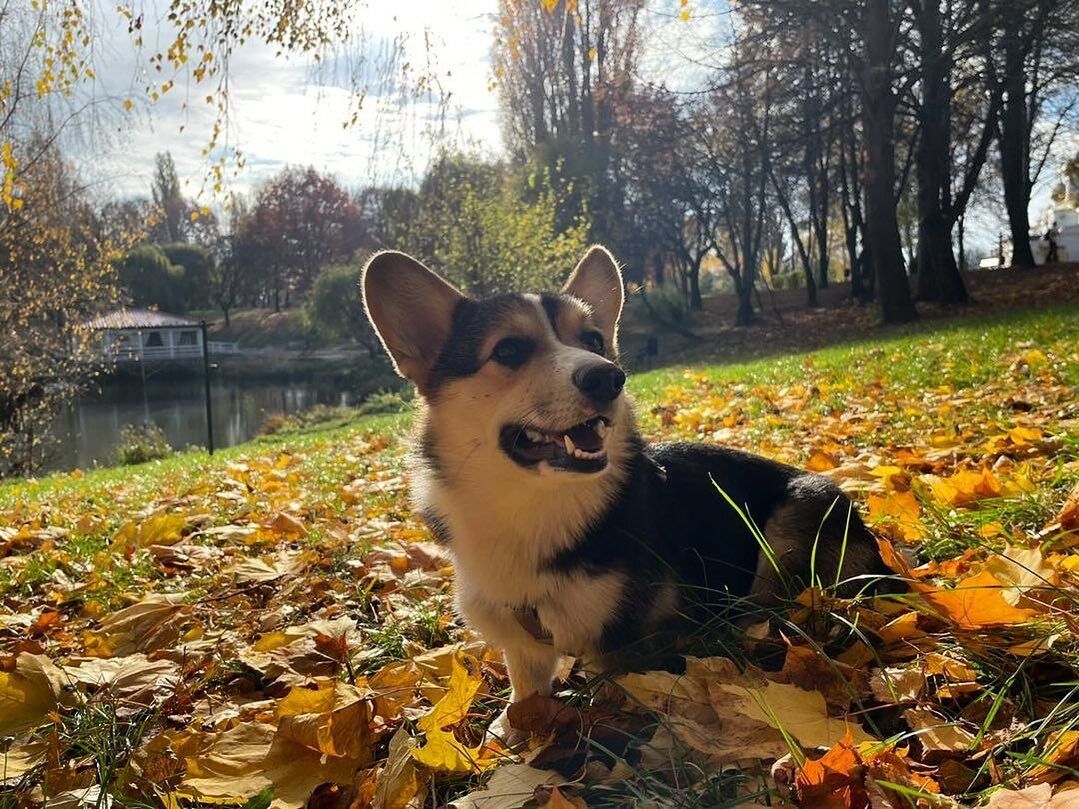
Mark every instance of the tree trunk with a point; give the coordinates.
(938, 275)
(878, 125)
(695, 301)
(225, 310)
(1015, 148)
(745, 305)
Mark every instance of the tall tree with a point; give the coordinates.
(951, 70)
(300, 221)
(171, 207)
(563, 70)
(1036, 46)
(880, 26)
(56, 270)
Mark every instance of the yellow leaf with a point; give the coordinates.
(789, 709)
(334, 718)
(28, 693)
(20, 759)
(243, 761)
(128, 104)
(730, 715)
(965, 487)
(1034, 358)
(159, 529)
(399, 782)
(1022, 570)
(1021, 436)
(443, 752)
(898, 510)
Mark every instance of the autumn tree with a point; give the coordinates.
(299, 222)
(55, 271)
(475, 229)
(563, 68)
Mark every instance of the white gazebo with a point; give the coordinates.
(145, 335)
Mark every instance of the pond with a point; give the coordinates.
(86, 434)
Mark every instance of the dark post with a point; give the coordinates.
(206, 380)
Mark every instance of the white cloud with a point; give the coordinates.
(292, 111)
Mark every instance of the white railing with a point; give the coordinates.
(137, 354)
(217, 348)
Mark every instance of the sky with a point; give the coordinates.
(290, 111)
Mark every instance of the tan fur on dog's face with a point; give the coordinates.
(464, 418)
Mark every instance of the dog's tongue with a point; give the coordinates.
(585, 437)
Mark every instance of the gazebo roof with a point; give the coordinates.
(138, 319)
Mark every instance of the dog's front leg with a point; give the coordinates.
(531, 669)
(531, 664)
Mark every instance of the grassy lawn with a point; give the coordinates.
(280, 600)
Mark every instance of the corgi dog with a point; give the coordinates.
(571, 535)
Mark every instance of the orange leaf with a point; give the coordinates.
(977, 602)
(821, 462)
(833, 781)
(965, 487)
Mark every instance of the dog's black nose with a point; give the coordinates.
(600, 383)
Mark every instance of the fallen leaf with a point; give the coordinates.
(442, 752)
(1036, 797)
(977, 602)
(28, 693)
(333, 718)
(1024, 571)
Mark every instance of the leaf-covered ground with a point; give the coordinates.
(272, 624)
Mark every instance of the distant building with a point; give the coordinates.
(1062, 218)
(143, 335)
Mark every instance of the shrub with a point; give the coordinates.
(386, 401)
(140, 443)
(664, 307)
(788, 280)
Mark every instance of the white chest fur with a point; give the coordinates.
(503, 538)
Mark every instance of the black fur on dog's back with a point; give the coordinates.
(671, 523)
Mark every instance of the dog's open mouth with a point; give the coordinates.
(578, 449)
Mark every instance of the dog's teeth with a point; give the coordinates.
(534, 436)
(571, 448)
(601, 428)
(578, 453)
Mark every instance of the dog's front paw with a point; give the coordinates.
(503, 731)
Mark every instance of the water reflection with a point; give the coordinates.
(87, 433)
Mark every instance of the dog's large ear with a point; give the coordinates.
(597, 282)
(411, 308)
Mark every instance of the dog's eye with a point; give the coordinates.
(593, 341)
(513, 352)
